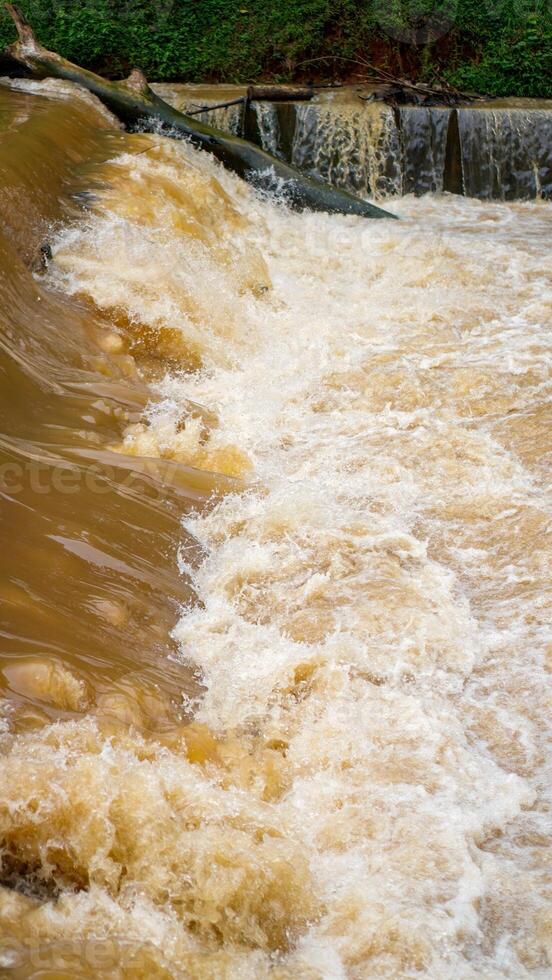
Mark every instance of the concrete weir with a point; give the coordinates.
(496, 150)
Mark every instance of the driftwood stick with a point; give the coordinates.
(219, 105)
(137, 105)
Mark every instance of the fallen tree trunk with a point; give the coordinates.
(136, 105)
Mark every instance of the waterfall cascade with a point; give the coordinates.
(493, 151)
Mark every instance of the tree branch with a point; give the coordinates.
(24, 29)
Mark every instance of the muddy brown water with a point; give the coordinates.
(89, 544)
(276, 569)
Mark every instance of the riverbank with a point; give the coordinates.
(490, 48)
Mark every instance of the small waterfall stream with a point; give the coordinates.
(423, 149)
(506, 153)
(269, 132)
(357, 148)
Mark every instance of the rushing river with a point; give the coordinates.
(276, 572)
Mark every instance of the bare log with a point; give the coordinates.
(136, 105)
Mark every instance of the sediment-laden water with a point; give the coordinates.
(276, 554)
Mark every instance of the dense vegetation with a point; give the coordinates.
(503, 47)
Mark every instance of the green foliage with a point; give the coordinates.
(498, 46)
(515, 58)
(179, 38)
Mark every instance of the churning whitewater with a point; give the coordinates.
(363, 787)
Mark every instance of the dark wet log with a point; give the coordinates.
(134, 102)
(279, 93)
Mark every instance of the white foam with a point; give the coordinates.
(378, 605)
